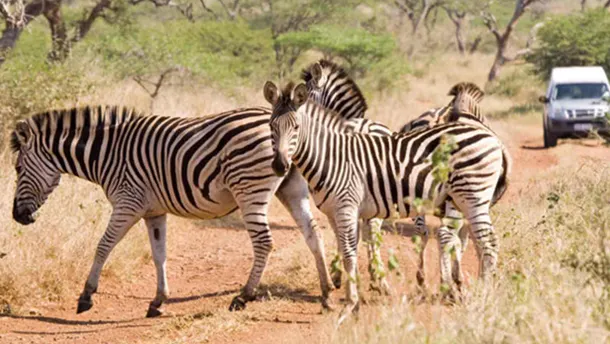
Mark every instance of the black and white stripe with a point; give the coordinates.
(354, 176)
(149, 166)
(465, 106)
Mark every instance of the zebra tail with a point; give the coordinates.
(503, 181)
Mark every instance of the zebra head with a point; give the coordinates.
(315, 79)
(285, 123)
(331, 86)
(37, 175)
(467, 98)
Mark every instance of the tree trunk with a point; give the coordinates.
(459, 38)
(59, 37)
(9, 38)
(498, 61)
(12, 31)
(475, 44)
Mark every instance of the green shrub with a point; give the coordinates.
(573, 40)
(358, 47)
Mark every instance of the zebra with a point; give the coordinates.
(330, 86)
(358, 175)
(463, 107)
(149, 166)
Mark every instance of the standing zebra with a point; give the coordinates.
(357, 175)
(331, 87)
(150, 166)
(452, 236)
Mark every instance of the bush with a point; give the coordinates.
(358, 47)
(574, 40)
(29, 83)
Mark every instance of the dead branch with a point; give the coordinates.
(156, 85)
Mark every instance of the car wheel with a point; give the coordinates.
(550, 140)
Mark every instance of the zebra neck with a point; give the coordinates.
(86, 152)
(318, 151)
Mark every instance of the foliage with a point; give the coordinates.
(358, 47)
(573, 40)
(28, 83)
(200, 48)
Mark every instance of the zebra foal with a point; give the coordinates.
(149, 166)
(354, 176)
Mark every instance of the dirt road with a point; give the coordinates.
(207, 266)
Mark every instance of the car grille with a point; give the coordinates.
(581, 113)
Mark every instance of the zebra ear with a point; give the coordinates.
(23, 133)
(299, 94)
(270, 92)
(316, 73)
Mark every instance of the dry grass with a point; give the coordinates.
(549, 287)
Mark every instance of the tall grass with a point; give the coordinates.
(552, 285)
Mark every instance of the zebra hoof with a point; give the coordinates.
(238, 304)
(153, 312)
(84, 305)
(337, 281)
(326, 305)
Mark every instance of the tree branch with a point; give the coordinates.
(209, 10)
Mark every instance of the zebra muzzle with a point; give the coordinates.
(279, 165)
(22, 216)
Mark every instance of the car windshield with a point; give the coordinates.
(579, 91)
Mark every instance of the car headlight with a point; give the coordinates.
(559, 113)
(600, 112)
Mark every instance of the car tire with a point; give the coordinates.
(550, 140)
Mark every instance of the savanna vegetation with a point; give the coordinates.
(192, 58)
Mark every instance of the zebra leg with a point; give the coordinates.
(371, 231)
(157, 229)
(483, 233)
(120, 222)
(346, 229)
(254, 214)
(294, 195)
(337, 275)
(458, 223)
(450, 247)
(422, 231)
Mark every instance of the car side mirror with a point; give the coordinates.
(543, 99)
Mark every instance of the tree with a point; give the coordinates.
(17, 14)
(297, 15)
(358, 47)
(458, 11)
(574, 40)
(417, 11)
(502, 37)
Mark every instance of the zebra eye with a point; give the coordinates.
(296, 127)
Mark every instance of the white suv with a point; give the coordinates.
(574, 103)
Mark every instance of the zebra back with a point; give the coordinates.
(330, 86)
(464, 107)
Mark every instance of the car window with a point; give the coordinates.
(579, 91)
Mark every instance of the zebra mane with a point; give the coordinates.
(339, 73)
(93, 114)
(469, 88)
(14, 144)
